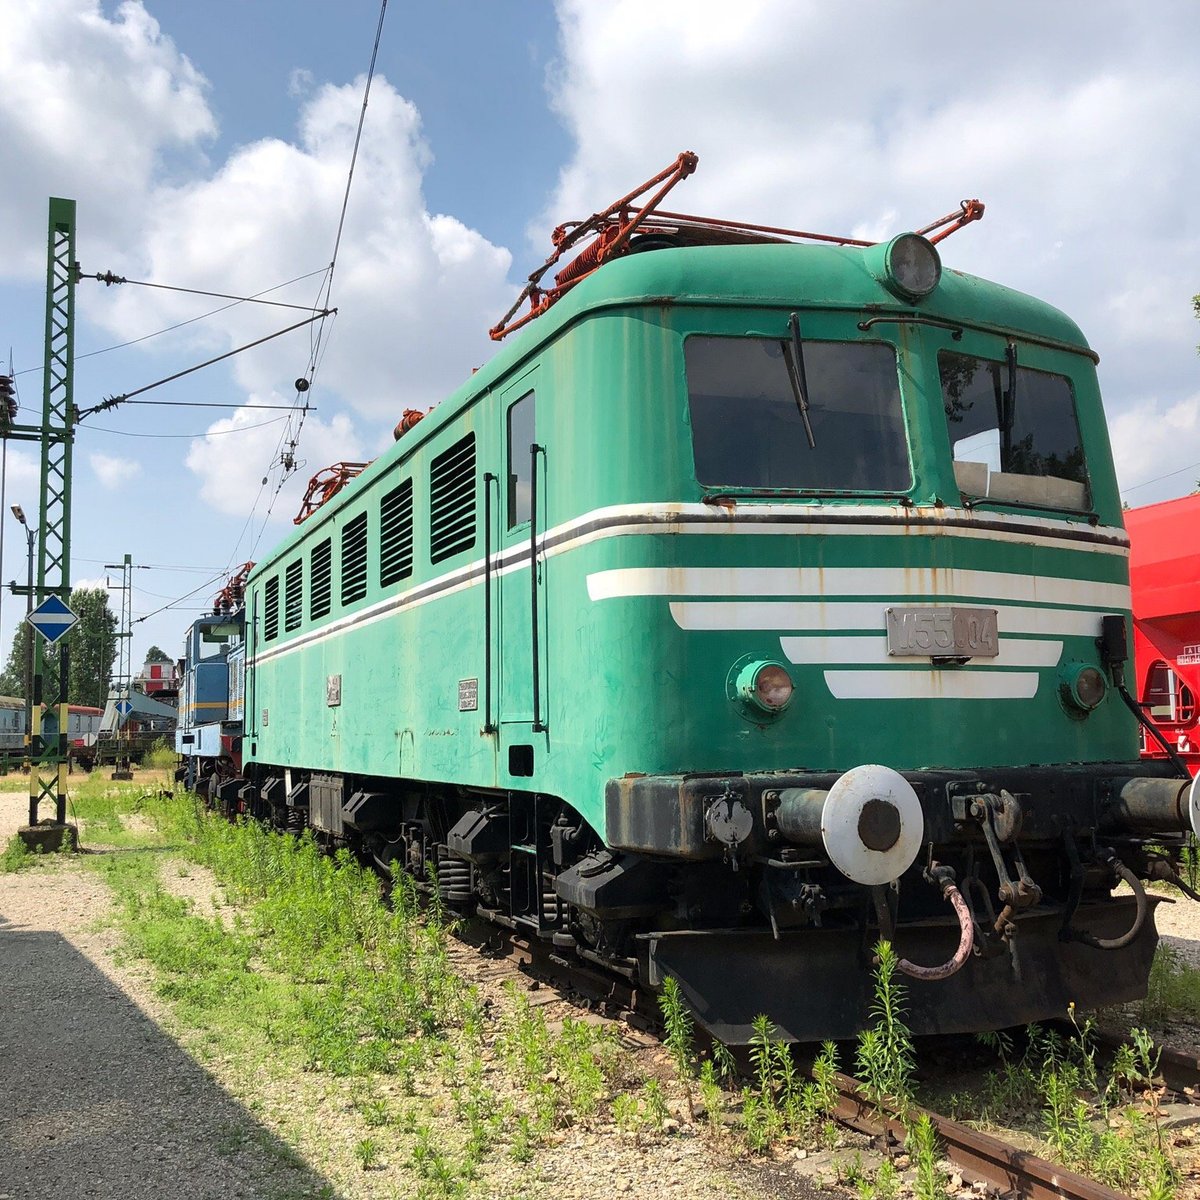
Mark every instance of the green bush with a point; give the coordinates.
(161, 756)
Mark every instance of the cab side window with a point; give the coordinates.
(522, 434)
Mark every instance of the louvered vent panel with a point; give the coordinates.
(271, 609)
(452, 500)
(293, 595)
(396, 534)
(354, 559)
(318, 580)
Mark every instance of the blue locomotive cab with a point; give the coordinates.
(208, 736)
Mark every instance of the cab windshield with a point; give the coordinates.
(1014, 433)
(748, 422)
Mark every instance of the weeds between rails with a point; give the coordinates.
(316, 970)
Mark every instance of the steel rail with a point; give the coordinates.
(979, 1156)
(1179, 1070)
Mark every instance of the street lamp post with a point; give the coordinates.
(30, 534)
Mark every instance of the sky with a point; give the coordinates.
(207, 147)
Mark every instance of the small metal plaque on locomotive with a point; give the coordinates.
(468, 695)
(333, 690)
(942, 632)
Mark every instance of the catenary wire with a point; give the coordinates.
(362, 117)
(1160, 478)
(191, 436)
(186, 596)
(110, 278)
(212, 312)
(318, 339)
(154, 566)
(318, 336)
(126, 398)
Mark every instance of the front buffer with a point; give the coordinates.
(996, 889)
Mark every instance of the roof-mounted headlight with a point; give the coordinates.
(908, 265)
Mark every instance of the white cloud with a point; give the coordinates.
(300, 82)
(416, 291)
(101, 582)
(106, 107)
(1076, 126)
(23, 480)
(114, 472)
(91, 106)
(1157, 449)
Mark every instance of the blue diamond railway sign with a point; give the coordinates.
(52, 619)
(124, 707)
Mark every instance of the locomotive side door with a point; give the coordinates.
(520, 652)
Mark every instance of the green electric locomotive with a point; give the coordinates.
(759, 600)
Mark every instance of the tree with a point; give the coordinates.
(12, 679)
(93, 645)
(157, 655)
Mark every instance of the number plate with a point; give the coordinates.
(943, 632)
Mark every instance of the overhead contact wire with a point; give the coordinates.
(318, 337)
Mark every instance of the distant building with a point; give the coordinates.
(158, 679)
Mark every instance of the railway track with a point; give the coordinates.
(1180, 1071)
(978, 1157)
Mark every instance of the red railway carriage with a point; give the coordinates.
(1164, 569)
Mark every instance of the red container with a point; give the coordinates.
(1164, 570)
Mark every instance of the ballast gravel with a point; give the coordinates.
(101, 1095)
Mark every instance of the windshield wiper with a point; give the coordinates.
(793, 355)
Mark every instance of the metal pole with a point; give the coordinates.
(47, 777)
(30, 534)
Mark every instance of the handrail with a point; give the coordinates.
(489, 477)
(534, 450)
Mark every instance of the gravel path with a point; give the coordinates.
(1179, 926)
(95, 1099)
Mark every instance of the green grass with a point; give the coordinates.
(314, 974)
(1174, 989)
(1098, 1117)
(17, 857)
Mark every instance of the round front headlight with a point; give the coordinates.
(763, 686)
(913, 266)
(1082, 687)
(772, 687)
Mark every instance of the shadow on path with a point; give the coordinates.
(96, 1101)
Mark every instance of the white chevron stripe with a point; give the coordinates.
(808, 651)
(927, 583)
(932, 685)
(833, 616)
